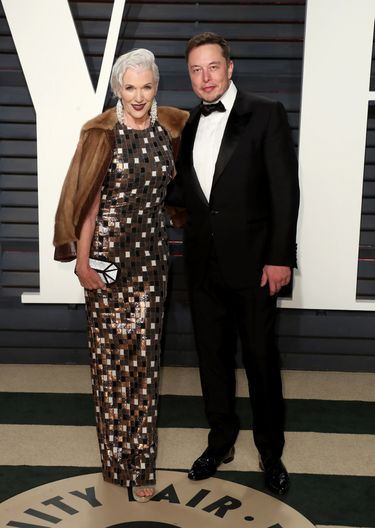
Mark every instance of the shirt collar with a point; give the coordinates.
(229, 96)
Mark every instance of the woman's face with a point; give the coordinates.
(137, 93)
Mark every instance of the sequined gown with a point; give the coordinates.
(125, 322)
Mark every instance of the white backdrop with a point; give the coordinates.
(63, 96)
(338, 40)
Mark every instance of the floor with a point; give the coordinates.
(47, 433)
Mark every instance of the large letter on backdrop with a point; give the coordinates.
(64, 98)
(335, 98)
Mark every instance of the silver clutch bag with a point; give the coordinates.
(108, 271)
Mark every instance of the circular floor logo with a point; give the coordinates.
(87, 501)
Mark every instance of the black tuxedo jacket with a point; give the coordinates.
(252, 213)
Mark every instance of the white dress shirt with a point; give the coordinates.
(208, 139)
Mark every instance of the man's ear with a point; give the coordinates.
(230, 68)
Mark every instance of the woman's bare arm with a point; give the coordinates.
(88, 277)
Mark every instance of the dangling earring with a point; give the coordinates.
(120, 111)
(153, 112)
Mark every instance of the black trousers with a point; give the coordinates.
(220, 314)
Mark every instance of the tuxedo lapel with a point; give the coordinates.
(237, 122)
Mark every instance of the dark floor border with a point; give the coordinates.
(322, 416)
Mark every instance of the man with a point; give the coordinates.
(238, 177)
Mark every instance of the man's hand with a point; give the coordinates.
(276, 276)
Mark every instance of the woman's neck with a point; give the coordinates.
(136, 124)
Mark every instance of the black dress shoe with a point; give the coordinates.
(276, 476)
(206, 465)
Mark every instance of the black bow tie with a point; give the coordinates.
(207, 109)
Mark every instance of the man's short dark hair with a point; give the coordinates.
(208, 38)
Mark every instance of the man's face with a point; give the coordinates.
(209, 72)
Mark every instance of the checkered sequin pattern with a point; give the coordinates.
(125, 321)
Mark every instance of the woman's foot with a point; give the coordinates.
(143, 493)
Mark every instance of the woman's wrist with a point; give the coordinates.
(82, 265)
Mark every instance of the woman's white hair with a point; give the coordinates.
(141, 58)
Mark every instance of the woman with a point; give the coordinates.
(111, 208)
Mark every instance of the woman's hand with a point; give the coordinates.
(89, 278)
